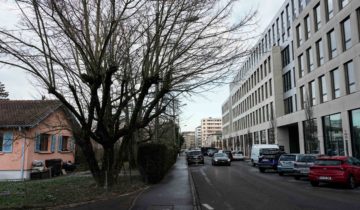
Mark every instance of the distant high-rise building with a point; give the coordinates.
(209, 126)
(198, 136)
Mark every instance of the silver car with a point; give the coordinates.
(303, 164)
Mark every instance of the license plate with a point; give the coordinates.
(265, 160)
(324, 178)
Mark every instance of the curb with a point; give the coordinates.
(194, 193)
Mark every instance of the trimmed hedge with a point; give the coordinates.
(154, 160)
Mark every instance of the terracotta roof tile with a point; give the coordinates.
(25, 113)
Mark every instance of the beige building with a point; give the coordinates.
(299, 88)
(198, 136)
(189, 139)
(209, 126)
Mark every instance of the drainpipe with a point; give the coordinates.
(22, 155)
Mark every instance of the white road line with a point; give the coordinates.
(205, 177)
(207, 206)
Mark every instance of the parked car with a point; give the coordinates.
(238, 155)
(255, 151)
(286, 163)
(302, 165)
(220, 159)
(269, 159)
(335, 169)
(229, 154)
(195, 156)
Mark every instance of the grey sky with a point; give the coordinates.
(20, 85)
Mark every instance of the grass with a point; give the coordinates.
(60, 191)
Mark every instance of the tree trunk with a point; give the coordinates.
(108, 171)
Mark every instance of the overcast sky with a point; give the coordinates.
(21, 86)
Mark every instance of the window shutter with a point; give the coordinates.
(53, 142)
(60, 143)
(8, 142)
(37, 142)
(72, 144)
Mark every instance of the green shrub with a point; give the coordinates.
(154, 160)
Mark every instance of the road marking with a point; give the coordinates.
(207, 206)
(205, 177)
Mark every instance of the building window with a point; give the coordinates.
(317, 17)
(42, 143)
(333, 135)
(307, 27)
(355, 132)
(263, 137)
(270, 87)
(323, 89)
(343, 3)
(301, 65)
(312, 93)
(288, 20)
(285, 56)
(302, 97)
(311, 142)
(310, 60)
(335, 81)
(350, 77)
(6, 141)
(329, 9)
(319, 53)
(299, 35)
(332, 44)
(288, 105)
(287, 81)
(346, 33)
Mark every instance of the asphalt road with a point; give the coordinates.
(241, 186)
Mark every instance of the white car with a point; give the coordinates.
(238, 155)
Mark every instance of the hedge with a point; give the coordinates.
(154, 160)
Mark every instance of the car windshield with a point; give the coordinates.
(306, 158)
(328, 162)
(239, 153)
(220, 155)
(195, 153)
(287, 157)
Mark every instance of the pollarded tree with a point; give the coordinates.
(114, 63)
(3, 93)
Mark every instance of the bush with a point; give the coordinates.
(154, 160)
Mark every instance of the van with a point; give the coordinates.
(256, 150)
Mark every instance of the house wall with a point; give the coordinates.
(24, 141)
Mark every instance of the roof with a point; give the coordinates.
(25, 113)
(332, 158)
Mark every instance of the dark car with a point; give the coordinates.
(269, 159)
(206, 150)
(194, 156)
(229, 154)
(212, 151)
(336, 169)
(220, 159)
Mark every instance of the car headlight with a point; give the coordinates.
(215, 160)
(229, 159)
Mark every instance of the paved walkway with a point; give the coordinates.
(174, 192)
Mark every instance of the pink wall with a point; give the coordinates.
(55, 124)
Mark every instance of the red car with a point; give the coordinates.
(335, 169)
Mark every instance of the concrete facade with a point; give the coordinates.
(189, 137)
(299, 88)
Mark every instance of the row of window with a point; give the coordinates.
(335, 86)
(258, 96)
(261, 115)
(43, 142)
(332, 49)
(253, 80)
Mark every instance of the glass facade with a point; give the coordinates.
(355, 132)
(333, 135)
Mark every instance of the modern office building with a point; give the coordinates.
(299, 88)
(209, 126)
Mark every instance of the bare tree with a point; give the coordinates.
(114, 64)
(310, 128)
(3, 93)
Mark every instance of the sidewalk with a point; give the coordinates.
(174, 192)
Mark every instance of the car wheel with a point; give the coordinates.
(281, 173)
(229, 164)
(351, 182)
(297, 177)
(262, 170)
(314, 183)
(253, 164)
